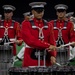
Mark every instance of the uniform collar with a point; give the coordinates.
(8, 20)
(60, 20)
(38, 21)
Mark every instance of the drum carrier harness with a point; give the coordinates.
(5, 38)
(60, 40)
(36, 53)
(6, 50)
(62, 54)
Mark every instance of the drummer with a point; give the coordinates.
(38, 35)
(12, 27)
(63, 32)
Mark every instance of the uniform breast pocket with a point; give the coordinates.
(11, 32)
(34, 32)
(1, 32)
(46, 33)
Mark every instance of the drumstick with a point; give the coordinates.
(65, 45)
(57, 64)
(8, 43)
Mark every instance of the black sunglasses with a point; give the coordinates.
(61, 10)
(38, 9)
(7, 11)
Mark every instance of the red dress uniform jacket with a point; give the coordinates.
(30, 37)
(68, 34)
(13, 31)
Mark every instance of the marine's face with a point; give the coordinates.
(61, 13)
(38, 13)
(8, 15)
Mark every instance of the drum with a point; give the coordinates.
(6, 54)
(63, 55)
(64, 70)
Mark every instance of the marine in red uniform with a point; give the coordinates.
(13, 27)
(20, 55)
(26, 16)
(69, 15)
(38, 35)
(63, 30)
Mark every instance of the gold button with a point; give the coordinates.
(42, 41)
(60, 23)
(6, 26)
(7, 23)
(60, 27)
(45, 43)
(39, 24)
(48, 44)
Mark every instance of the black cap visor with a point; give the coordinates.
(38, 9)
(7, 11)
(61, 10)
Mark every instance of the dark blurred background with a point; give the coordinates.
(22, 6)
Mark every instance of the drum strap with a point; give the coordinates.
(60, 41)
(35, 53)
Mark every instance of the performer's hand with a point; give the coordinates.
(53, 60)
(73, 44)
(18, 41)
(51, 47)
